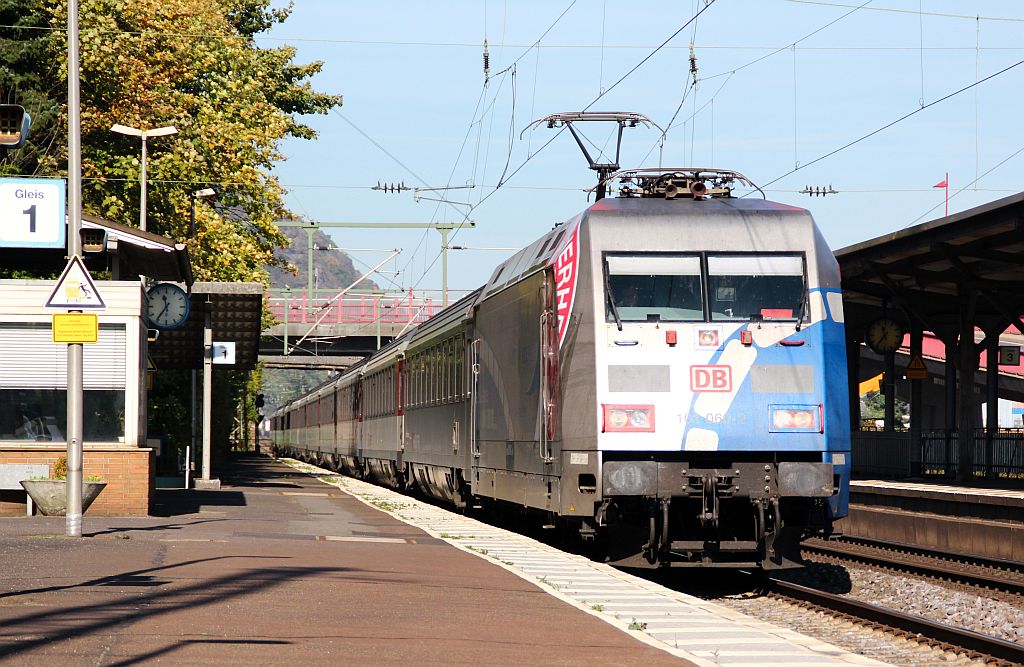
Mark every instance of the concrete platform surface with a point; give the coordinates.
(278, 568)
(706, 633)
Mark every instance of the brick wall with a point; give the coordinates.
(130, 475)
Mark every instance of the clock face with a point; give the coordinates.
(168, 306)
(885, 335)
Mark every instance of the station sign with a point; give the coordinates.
(223, 353)
(32, 213)
(1009, 355)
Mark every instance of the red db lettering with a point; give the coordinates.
(710, 378)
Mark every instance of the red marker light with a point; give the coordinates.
(747, 337)
(628, 418)
(671, 338)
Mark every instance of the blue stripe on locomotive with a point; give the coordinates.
(745, 426)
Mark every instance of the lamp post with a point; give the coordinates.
(144, 135)
(205, 192)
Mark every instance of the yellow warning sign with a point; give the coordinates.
(75, 289)
(916, 370)
(75, 328)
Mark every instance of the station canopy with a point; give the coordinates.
(236, 311)
(966, 264)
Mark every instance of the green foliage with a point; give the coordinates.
(150, 63)
(193, 64)
(873, 407)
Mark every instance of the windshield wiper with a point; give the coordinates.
(610, 298)
(803, 304)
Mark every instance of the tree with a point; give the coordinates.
(193, 64)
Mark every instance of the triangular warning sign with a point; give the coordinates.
(75, 289)
(916, 370)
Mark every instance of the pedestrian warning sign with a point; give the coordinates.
(916, 370)
(75, 289)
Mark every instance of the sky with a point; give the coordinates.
(779, 84)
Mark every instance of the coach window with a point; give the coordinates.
(414, 385)
(439, 377)
(431, 376)
(439, 365)
(756, 287)
(654, 287)
(457, 359)
(446, 352)
(421, 372)
(448, 370)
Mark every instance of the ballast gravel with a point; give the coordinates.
(894, 591)
(911, 595)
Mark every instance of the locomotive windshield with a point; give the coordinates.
(662, 287)
(659, 287)
(751, 287)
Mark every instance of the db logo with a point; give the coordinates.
(710, 378)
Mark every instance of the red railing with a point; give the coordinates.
(297, 307)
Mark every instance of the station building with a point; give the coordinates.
(33, 369)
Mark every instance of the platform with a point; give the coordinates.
(280, 568)
(972, 520)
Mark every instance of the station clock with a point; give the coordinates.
(168, 306)
(884, 335)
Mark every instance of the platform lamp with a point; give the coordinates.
(14, 126)
(144, 135)
(205, 192)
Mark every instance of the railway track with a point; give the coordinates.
(1004, 578)
(990, 650)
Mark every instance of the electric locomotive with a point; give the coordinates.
(664, 374)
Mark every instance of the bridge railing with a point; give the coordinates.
(299, 307)
(999, 455)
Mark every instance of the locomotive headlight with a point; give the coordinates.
(628, 418)
(799, 418)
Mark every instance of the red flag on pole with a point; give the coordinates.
(944, 184)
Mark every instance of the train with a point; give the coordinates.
(663, 377)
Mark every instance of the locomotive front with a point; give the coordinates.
(715, 387)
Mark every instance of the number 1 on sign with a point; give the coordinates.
(31, 213)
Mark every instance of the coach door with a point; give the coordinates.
(548, 367)
(474, 375)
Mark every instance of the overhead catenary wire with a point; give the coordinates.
(909, 11)
(895, 122)
(466, 214)
(730, 73)
(792, 44)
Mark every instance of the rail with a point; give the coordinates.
(300, 307)
(985, 573)
(920, 629)
(998, 455)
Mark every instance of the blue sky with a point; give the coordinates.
(417, 110)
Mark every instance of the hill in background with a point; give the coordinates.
(332, 268)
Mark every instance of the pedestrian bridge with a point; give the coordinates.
(338, 330)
